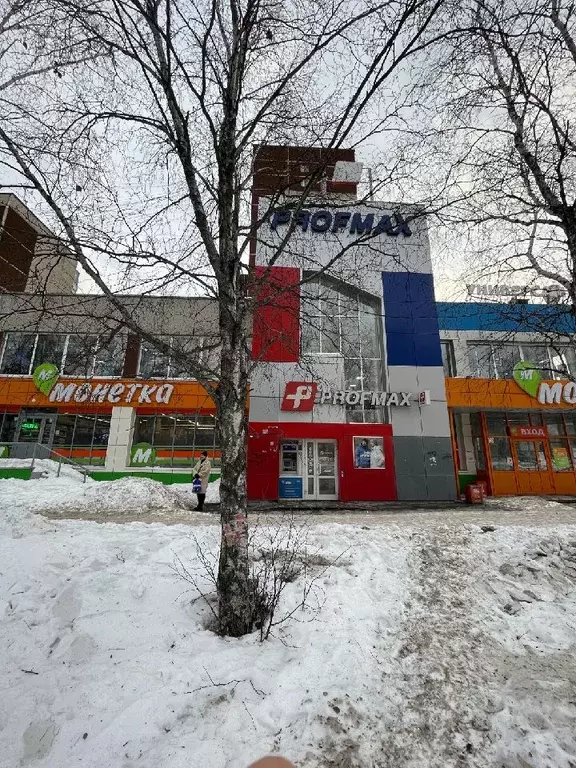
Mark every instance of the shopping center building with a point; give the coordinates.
(510, 386)
(364, 387)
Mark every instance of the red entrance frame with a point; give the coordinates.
(353, 484)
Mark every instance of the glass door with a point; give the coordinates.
(321, 470)
(531, 464)
(34, 429)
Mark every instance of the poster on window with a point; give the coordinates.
(368, 453)
(560, 458)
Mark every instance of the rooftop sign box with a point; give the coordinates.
(354, 222)
(552, 293)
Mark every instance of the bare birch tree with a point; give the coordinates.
(143, 156)
(505, 130)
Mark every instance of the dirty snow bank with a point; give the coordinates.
(67, 494)
(121, 672)
(431, 646)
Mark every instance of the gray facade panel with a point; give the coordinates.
(438, 456)
(408, 455)
(441, 487)
(411, 487)
(424, 468)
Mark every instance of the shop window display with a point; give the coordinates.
(177, 439)
(82, 437)
(369, 453)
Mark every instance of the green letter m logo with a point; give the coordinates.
(142, 454)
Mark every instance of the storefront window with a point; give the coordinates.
(17, 354)
(518, 419)
(526, 453)
(475, 424)
(80, 355)
(205, 432)
(153, 363)
(496, 423)
(8, 427)
(101, 430)
(448, 358)
(368, 453)
(184, 429)
(177, 439)
(84, 430)
(49, 349)
(64, 432)
(83, 438)
(164, 431)
(500, 453)
(570, 421)
(340, 320)
(109, 360)
(561, 460)
(479, 453)
(554, 423)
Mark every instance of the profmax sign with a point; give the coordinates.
(46, 377)
(354, 222)
(301, 396)
(529, 378)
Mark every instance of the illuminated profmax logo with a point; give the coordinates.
(337, 221)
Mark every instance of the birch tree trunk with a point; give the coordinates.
(235, 609)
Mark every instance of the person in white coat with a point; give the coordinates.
(376, 456)
(202, 470)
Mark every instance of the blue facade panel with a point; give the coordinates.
(522, 318)
(410, 319)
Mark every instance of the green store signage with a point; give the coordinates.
(529, 378)
(45, 376)
(142, 455)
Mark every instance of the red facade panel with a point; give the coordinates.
(276, 332)
(354, 484)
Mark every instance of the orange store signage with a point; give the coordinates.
(501, 394)
(96, 393)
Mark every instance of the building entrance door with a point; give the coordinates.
(532, 466)
(34, 434)
(321, 470)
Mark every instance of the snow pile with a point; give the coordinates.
(122, 672)
(421, 646)
(45, 468)
(68, 495)
(213, 492)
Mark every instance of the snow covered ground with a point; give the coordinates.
(426, 644)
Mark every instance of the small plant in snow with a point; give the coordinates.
(279, 557)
